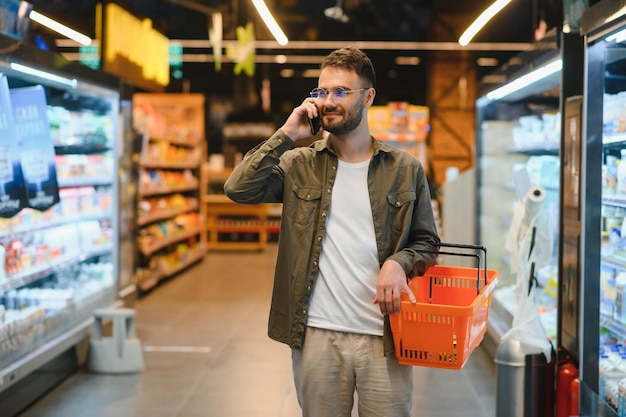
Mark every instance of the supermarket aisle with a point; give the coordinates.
(207, 354)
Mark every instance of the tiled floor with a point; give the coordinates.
(218, 311)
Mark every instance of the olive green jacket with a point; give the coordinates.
(302, 179)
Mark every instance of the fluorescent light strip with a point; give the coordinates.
(617, 37)
(60, 28)
(525, 80)
(481, 21)
(270, 22)
(44, 74)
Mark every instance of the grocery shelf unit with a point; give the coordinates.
(61, 264)
(518, 134)
(169, 219)
(402, 125)
(229, 225)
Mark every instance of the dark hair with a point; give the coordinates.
(353, 59)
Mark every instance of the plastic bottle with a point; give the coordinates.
(621, 173)
(619, 312)
(605, 367)
(621, 402)
(611, 394)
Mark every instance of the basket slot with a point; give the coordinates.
(479, 250)
(426, 356)
(414, 316)
(466, 255)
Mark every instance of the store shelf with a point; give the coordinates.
(192, 186)
(233, 226)
(43, 270)
(26, 228)
(152, 248)
(172, 150)
(616, 327)
(192, 257)
(169, 165)
(535, 149)
(85, 181)
(165, 214)
(80, 149)
(616, 200)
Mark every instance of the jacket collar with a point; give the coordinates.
(326, 145)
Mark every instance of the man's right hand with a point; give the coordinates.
(297, 124)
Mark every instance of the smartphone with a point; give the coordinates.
(316, 124)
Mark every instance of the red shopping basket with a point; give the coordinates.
(450, 317)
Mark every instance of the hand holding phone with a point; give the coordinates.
(316, 124)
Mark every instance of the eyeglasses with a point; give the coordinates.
(337, 94)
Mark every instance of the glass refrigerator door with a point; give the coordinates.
(603, 229)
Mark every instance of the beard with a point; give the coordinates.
(353, 118)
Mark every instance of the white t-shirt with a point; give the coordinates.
(348, 267)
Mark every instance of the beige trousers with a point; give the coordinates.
(331, 366)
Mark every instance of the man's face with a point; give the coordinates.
(341, 117)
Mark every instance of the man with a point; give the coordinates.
(356, 213)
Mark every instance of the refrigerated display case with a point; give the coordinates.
(602, 258)
(60, 264)
(518, 142)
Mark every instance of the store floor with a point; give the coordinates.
(207, 354)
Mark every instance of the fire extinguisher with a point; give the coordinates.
(575, 398)
(564, 378)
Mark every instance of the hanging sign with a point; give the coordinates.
(12, 190)
(36, 147)
(244, 53)
(215, 36)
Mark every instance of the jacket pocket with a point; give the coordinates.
(306, 202)
(401, 209)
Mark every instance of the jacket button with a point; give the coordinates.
(319, 238)
(308, 196)
(397, 204)
(324, 214)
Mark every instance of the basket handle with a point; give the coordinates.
(479, 248)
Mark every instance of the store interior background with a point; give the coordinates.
(414, 48)
(444, 79)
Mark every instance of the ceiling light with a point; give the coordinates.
(71, 82)
(270, 22)
(407, 60)
(60, 28)
(336, 13)
(311, 73)
(487, 62)
(617, 37)
(481, 21)
(526, 80)
(287, 72)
